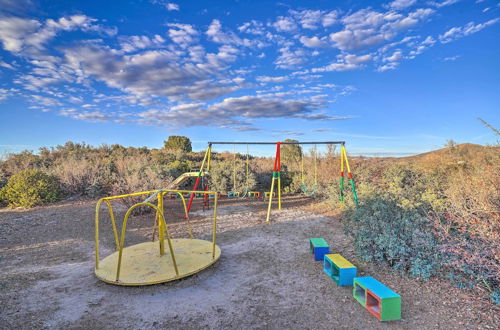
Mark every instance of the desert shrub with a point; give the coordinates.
(21, 161)
(383, 231)
(3, 178)
(405, 184)
(177, 167)
(291, 152)
(138, 174)
(222, 176)
(29, 188)
(80, 175)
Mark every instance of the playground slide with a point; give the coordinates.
(177, 182)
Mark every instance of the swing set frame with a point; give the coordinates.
(276, 177)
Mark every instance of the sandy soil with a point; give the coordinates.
(265, 278)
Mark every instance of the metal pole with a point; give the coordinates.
(271, 143)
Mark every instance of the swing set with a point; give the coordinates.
(170, 258)
(276, 176)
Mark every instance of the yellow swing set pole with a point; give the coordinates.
(351, 179)
(279, 191)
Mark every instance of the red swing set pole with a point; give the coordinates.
(276, 174)
(200, 173)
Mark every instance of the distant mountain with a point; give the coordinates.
(455, 154)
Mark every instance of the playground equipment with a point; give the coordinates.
(276, 176)
(318, 248)
(339, 269)
(185, 176)
(147, 263)
(377, 298)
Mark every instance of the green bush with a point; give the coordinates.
(181, 143)
(383, 231)
(29, 188)
(222, 176)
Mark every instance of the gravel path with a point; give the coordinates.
(265, 278)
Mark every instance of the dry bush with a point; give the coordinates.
(79, 175)
(136, 174)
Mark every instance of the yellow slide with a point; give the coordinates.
(177, 182)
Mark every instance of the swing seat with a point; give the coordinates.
(267, 193)
(233, 194)
(254, 194)
(308, 192)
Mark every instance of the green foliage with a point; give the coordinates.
(222, 176)
(29, 188)
(3, 178)
(291, 153)
(383, 231)
(178, 143)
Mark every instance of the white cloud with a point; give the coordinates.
(13, 31)
(134, 43)
(6, 93)
(445, 3)
(420, 47)
(330, 18)
(346, 62)
(19, 33)
(395, 57)
(234, 112)
(468, 29)
(253, 27)
(150, 73)
(313, 19)
(388, 66)
(284, 24)
(308, 19)
(290, 59)
(182, 34)
(44, 100)
(401, 4)
(172, 6)
(216, 34)
(92, 116)
(16, 6)
(366, 28)
(451, 58)
(267, 79)
(313, 42)
(6, 65)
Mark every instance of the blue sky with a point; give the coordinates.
(388, 77)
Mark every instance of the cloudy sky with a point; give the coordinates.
(394, 78)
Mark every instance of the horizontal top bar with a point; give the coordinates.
(322, 142)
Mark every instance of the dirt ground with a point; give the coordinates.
(265, 278)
